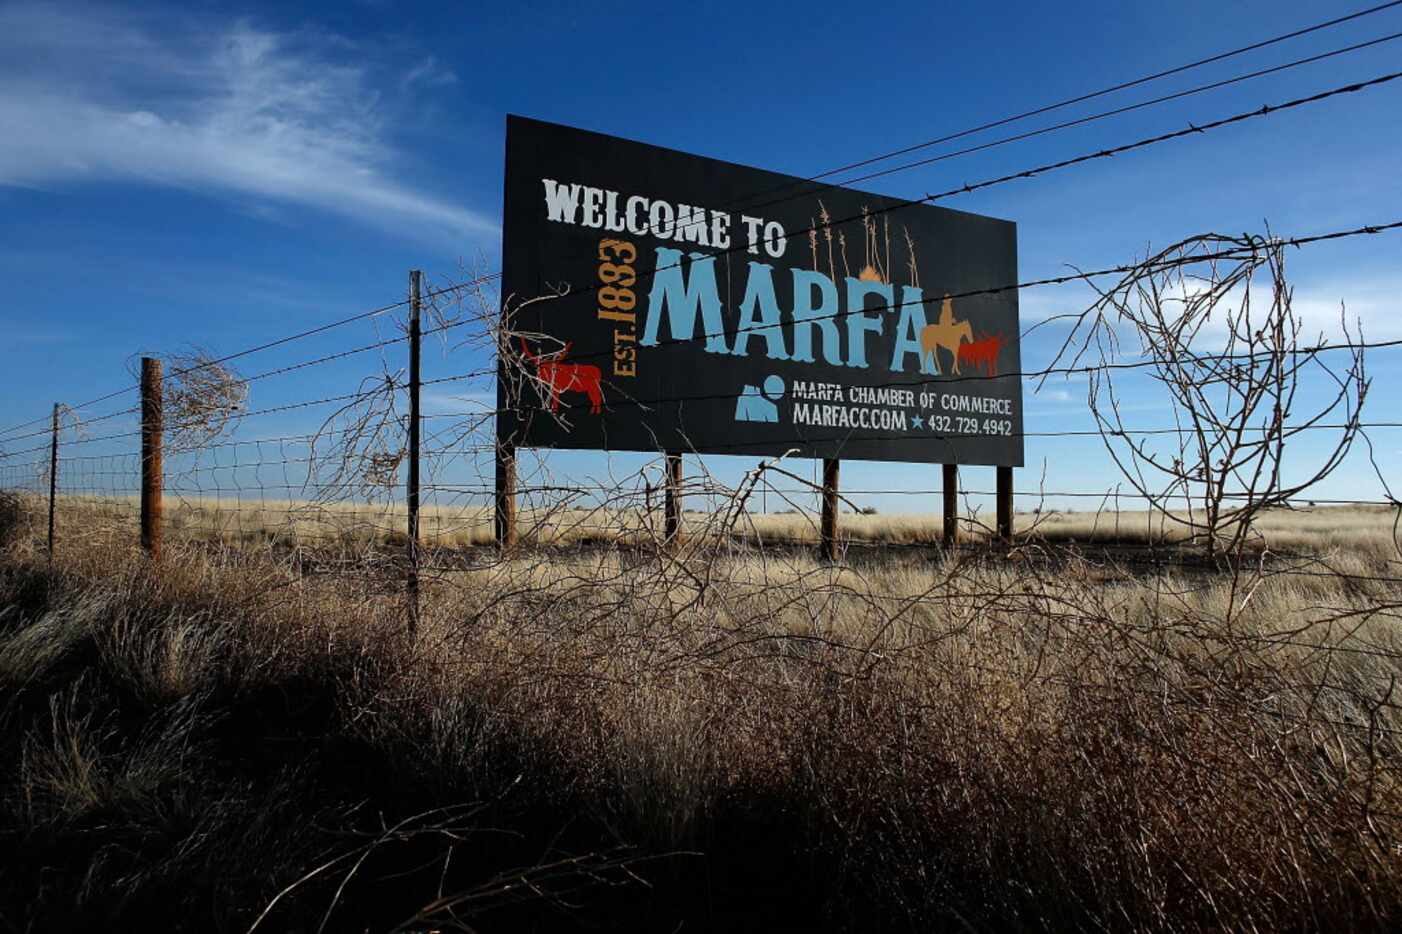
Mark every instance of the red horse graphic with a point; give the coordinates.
(564, 377)
(982, 354)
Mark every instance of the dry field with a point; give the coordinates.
(1333, 529)
(735, 737)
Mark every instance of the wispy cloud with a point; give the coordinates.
(430, 73)
(1330, 309)
(467, 403)
(96, 95)
(1041, 304)
(1374, 301)
(1053, 395)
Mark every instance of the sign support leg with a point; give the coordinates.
(672, 535)
(506, 495)
(951, 506)
(829, 525)
(1005, 505)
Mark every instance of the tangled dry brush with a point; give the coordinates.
(725, 738)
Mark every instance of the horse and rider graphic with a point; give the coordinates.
(957, 337)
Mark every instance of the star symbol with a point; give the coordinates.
(917, 421)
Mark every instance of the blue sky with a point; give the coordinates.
(222, 174)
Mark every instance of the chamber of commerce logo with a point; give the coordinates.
(754, 405)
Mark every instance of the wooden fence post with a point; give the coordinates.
(1005, 505)
(53, 480)
(152, 416)
(672, 534)
(951, 506)
(829, 524)
(412, 484)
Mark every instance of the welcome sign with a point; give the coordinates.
(665, 301)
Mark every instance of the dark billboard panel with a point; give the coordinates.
(672, 302)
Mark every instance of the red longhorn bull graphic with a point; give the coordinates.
(560, 377)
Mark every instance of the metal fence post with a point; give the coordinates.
(829, 523)
(152, 416)
(53, 480)
(412, 491)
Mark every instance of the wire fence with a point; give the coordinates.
(344, 479)
(237, 473)
(760, 571)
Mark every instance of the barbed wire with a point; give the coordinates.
(1091, 118)
(1365, 230)
(735, 581)
(928, 198)
(217, 480)
(969, 187)
(277, 342)
(1092, 95)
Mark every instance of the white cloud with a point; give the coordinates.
(430, 73)
(91, 95)
(1053, 395)
(1322, 308)
(1043, 303)
(1374, 301)
(1369, 303)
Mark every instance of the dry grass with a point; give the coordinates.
(1339, 530)
(1032, 741)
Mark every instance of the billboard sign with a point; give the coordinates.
(666, 301)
